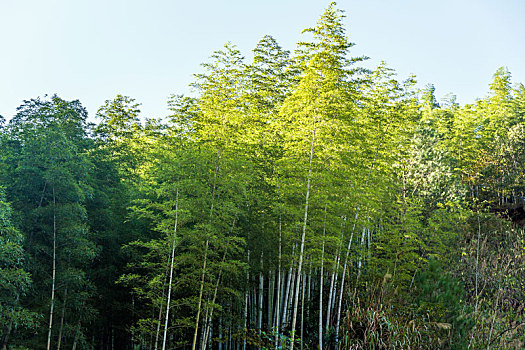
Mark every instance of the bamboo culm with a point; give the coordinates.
(172, 258)
(303, 237)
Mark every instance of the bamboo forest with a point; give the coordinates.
(295, 200)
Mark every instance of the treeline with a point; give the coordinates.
(297, 201)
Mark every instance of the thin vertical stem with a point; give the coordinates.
(477, 264)
(303, 237)
(321, 282)
(171, 270)
(53, 283)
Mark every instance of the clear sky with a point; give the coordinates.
(92, 50)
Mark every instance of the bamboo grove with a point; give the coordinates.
(294, 201)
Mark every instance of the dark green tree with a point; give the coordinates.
(14, 279)
(49, 186)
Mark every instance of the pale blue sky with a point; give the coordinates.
(92, 50)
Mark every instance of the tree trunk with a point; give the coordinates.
(303, 237)
(335, 276)
(291, 299)
(75, 341)
(260, 301)
(338, 320)
(278, 300)
(159, 318)
(271, 288)
(172, 258)
(201, 290)
(330, 305)
(254, 303)
(220, 333)
(302, 310)
(321, 286)
(210, 308)
(246, 298)
(287, 294)
(62, 317)
(360, 261)
(53, 278)
(477, 265)
(309, 290)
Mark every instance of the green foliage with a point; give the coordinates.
(440, 300)
(14, 279)
(49, 183)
